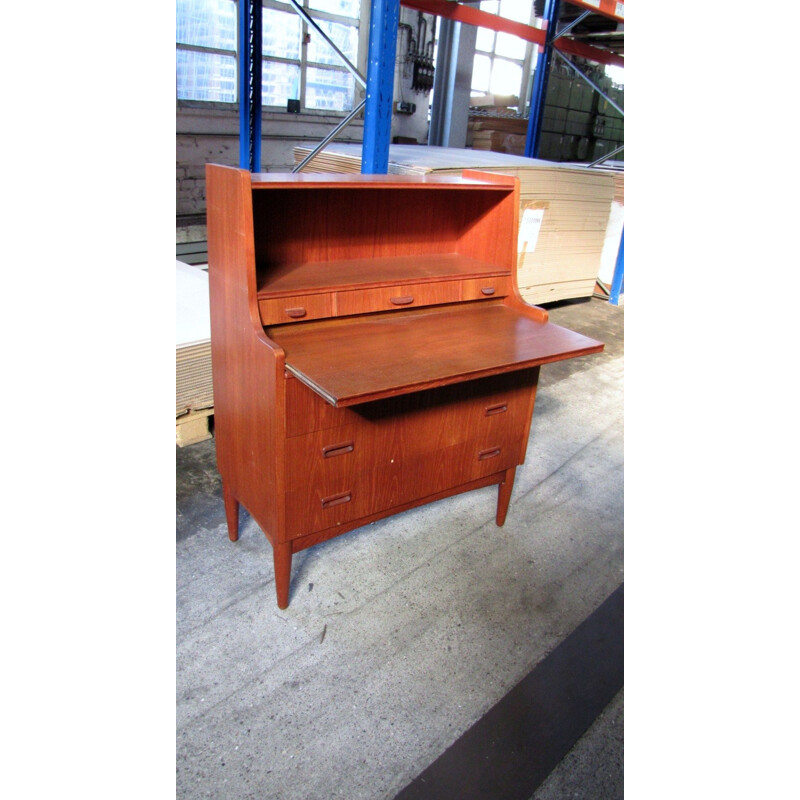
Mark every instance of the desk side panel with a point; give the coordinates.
(247, 367)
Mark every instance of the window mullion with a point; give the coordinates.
(303, 62)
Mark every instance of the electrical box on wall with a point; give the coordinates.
(404, 108)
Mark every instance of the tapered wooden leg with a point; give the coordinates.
(282, 557)
(504, 496)
(231, 513)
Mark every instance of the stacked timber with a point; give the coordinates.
(194, 389)
(564, 209)
(501, 133)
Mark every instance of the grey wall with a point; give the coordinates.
(210, 133)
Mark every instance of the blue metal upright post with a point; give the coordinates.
(618, 281)
(540, 76)
(249, 79)
(384, 16)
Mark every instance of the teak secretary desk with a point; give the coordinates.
(370, 349)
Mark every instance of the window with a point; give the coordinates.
(205, 61)
(498, 66)
(314, 73)
(298, 64)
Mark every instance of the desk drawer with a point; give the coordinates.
(483, 288)
(436, 418)
(388, 298)
(275, 311)
(315, 507)
(327, 457)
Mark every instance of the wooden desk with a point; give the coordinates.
(370, 349)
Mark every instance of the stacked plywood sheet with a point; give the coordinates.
(564, 209)
(497, 132)
(194, 390)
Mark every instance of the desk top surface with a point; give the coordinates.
(359, 359)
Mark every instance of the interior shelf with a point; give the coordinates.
(342, 274)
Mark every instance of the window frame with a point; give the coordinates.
(525, 63)
(196, 48)
(305, 63)
(360, 23)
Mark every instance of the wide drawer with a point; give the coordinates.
(388, 298)
(297, 308)
(462, 410)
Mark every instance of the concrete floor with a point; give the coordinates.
(402, 634)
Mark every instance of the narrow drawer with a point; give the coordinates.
(275, 311)
(388, 298)
(484, 288)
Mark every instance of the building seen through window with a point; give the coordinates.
(298, 64)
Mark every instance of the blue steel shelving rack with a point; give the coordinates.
(539, 96)
(384, 18)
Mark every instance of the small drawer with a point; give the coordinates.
(489, 457)
(315, 507)
(326, 456)
(394, 298)
(276, 311)
(485, 288)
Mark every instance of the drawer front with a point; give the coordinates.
(327, 457)
(388, 298)
(315, 507)
(423, 474)
(276, 311)
(434, 418)
(483, 288)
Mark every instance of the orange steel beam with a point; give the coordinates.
(570, 46)
(482, 19)
(474, 16)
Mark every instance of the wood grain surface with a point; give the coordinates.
(367, 358)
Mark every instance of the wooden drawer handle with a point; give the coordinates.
(336, 500)
(401, 301)
(490, 452)
(487, 290)
(340, 449)
(296, 313)
(500, 408)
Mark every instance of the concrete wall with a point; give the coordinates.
(209, 132)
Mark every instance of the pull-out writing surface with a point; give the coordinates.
(356, 360)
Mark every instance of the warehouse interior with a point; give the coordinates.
(431, 654)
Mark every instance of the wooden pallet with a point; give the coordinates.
(193, 427)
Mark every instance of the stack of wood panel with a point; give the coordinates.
(564, 209)
(616, 222)
(501, 134)
(194, 389)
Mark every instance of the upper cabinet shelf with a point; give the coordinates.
(357, 244)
